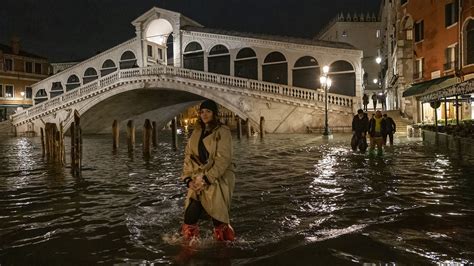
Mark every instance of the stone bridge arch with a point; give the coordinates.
(140, 99)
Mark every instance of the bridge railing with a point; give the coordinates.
(252, 85)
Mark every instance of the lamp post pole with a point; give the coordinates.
(326, 83)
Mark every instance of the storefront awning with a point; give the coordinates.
(463, 88)
(430, 86)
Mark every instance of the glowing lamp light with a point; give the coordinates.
(378, 60)
(376, 81)
(323, 80)
(325, 69)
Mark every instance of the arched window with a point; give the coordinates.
(41, 96)
(470, 42)
(89, 75)
(275, 68)
(306, 73)
(193, 56)
(108, 67)
(219, 60)
(56, 89)
(128, 60)
(72, 82)
(246, 64)
(343, 78)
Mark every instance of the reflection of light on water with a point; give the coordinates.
(24, 162)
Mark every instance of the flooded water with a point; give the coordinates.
(299, 200)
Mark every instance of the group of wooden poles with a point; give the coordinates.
(52, 143)
(249, 127)
(150, 135)
(52, 139)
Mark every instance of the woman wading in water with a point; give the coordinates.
(208, 173)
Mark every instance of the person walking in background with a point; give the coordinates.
(360, 124)
(208, 173)
(377, 129)
(383, 100)
(374, 100)
(391, 128)
(365, 101)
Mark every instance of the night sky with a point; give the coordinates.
(65, 30)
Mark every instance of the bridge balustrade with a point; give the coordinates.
(253, 85)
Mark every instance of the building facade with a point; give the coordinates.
(428, 57)
(363, 31)
(19, 70)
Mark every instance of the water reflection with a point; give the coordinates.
(296, 196)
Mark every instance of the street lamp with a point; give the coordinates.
(326, 84)
(378, 60)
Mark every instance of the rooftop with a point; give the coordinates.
(276, 38)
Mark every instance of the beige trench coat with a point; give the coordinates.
(219, 170)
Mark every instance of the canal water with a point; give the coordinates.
(299, 200)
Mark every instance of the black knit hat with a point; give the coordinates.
(210, 105)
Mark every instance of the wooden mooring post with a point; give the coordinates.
(54, 139)
(154, 134)
(262, 127)
(76, 145)
(147, 128)
(130, 135)
(248, 127)
(174, 133)
(239, 127)
(43, 152)
(115, 134)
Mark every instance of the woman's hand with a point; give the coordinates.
(197, 184)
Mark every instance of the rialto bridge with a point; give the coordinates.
(175, 62)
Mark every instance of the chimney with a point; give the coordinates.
(15, 43)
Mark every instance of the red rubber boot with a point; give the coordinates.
(224, 232)
(190, 231)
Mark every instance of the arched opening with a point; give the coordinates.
(56, 89)
(275, 68)
(156, 35)
(246, 64)
(72, 82)
(219, 60)
(128, 60)
(41, 96)
(469, 43)
(169, 50)
(306, 73)
(89, 75)
(108, 67)
(343, 78)
(157, 31)
(193, 56)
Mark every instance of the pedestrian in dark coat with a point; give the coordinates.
(360, 125)
(374, 100)
(390, 130)
(365, 101)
